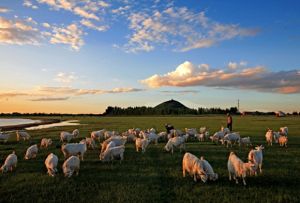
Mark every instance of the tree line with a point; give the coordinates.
(116, 111)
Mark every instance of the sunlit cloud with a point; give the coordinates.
(91, 25)
(50, 99)
(252, 78)
(18, 32)
(71, 35)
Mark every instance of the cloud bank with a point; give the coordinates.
(236, 76)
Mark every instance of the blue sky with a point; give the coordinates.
(81, 56)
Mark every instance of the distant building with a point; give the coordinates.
(280, 114)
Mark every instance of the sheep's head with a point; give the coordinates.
(4, 169)
(259, 147)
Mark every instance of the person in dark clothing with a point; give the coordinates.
(229, 121)
(169, 127)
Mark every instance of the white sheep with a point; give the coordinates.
(45, 143)
(269, 137)
(51, 164)
(89, 142)
(141, 144)
(10, 163)
(74, 149)
(175, 142)
(238, 169)
(245, 141)
(66, 136)
(31, 152)
(113, 153)
(71, 165)
(211, 175)
(99, 135)
(22, 134)
(193, 165)
(284, 131)
(283, 141)
(118, 140)
(256, 157)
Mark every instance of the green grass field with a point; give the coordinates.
(156, 176)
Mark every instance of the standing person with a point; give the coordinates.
(229, 121)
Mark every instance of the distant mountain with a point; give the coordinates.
(171, 105)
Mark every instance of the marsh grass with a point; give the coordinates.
(156, 176)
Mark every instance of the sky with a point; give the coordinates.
(72, 56)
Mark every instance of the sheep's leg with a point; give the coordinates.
(229, 174)
(183, 172)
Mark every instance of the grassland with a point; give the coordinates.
(156, 176)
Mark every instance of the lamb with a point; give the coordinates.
(141, 144)
(211, 175)
(45, 143)
(175, 142)
(284, 131)
(74, 149)
(22, 134)
(99, 135)
(192, 165)
(71, 165)
(4, 137)
(283, 141)
(10, 163)
(66, 136)
(245, 141)
(89, 142)
(255, 156)
(238, 169)
(31, 152)
(113, 153)
(269, 137)
(51, 164)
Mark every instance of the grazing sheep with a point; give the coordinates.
(255, 156)
(141, 144)
(99, 135)
(45, 143)
(66, 136)
(175, 142)
(231, 138)
(211, 175)
(74, 149)
(22, 134)
(202, 130)
(71, 165)
(31, 152)
(191, 131)
(109, 134)
(118, 140)
(10, 163)
(283, 141)
(269, 137)
(245, 141)
(113, 153)
(89, 142)
(163, 136)
(193, 165)
(4, 137)
(51, 164)
(238, 169)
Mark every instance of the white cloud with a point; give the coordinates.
(71, 35)
(252, 78)
(179, 28)
(65, 77)
(4, 10)
(18, 32)
(91, 25)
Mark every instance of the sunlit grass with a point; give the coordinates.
(156, 176)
